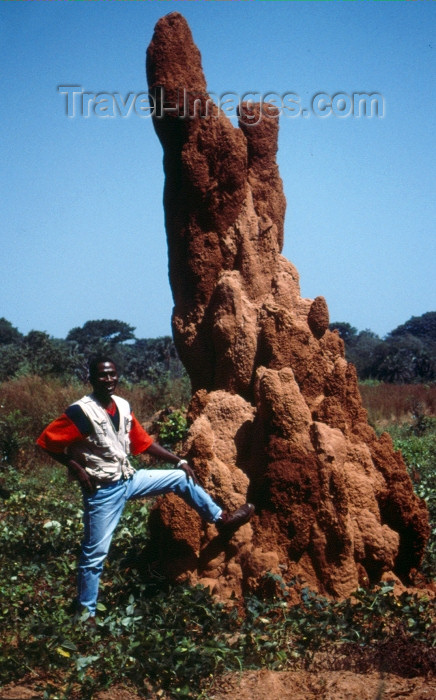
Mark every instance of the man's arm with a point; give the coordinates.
(74, 468)
(62, 432)
(156, 450)
(142, 443)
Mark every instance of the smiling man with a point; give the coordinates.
(93, 439)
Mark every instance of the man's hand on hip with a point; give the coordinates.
(81, 475)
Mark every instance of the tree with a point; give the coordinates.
(403, 360)
(11, 359)
(410, 354)
(423, 327)
(8, 333)
(151, 358)
(363, 352)
(38, 353)
(100, 336)
(48, 356)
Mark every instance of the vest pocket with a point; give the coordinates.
(101, 428)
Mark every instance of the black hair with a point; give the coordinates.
(97, 360)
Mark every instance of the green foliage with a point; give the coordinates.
(363, 353)
(406, 355)
(37, 353)
(417, 443)
(8, 333)
(404, 359)
(137, 360)
(100, 336)
(150, 359)
(14, 436)
(172, 639)
(144, 631)
(423, 327)
(173, 427)
(276, 635)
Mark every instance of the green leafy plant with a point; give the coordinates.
(173, 427)
(417, 442)
(13, 436)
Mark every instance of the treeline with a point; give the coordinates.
(406, 355)
(138, 359)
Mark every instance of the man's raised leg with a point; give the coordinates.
(155, 482)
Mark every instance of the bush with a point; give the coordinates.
(417, 443)
(13, 436)
(148, 397)
(173, 428)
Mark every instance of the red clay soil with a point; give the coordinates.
(281, 685)
(334, 685)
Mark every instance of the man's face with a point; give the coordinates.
(105, 380)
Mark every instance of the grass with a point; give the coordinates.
(397, 403)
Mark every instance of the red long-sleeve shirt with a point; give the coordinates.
(73, 425)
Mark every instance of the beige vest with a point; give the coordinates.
(104, 452)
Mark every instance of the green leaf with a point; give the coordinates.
(67, 644)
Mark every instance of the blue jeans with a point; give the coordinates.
(103, 509)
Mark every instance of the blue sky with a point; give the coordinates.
(83, 232)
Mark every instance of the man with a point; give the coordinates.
(93, 439)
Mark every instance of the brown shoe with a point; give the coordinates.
(229, 522)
